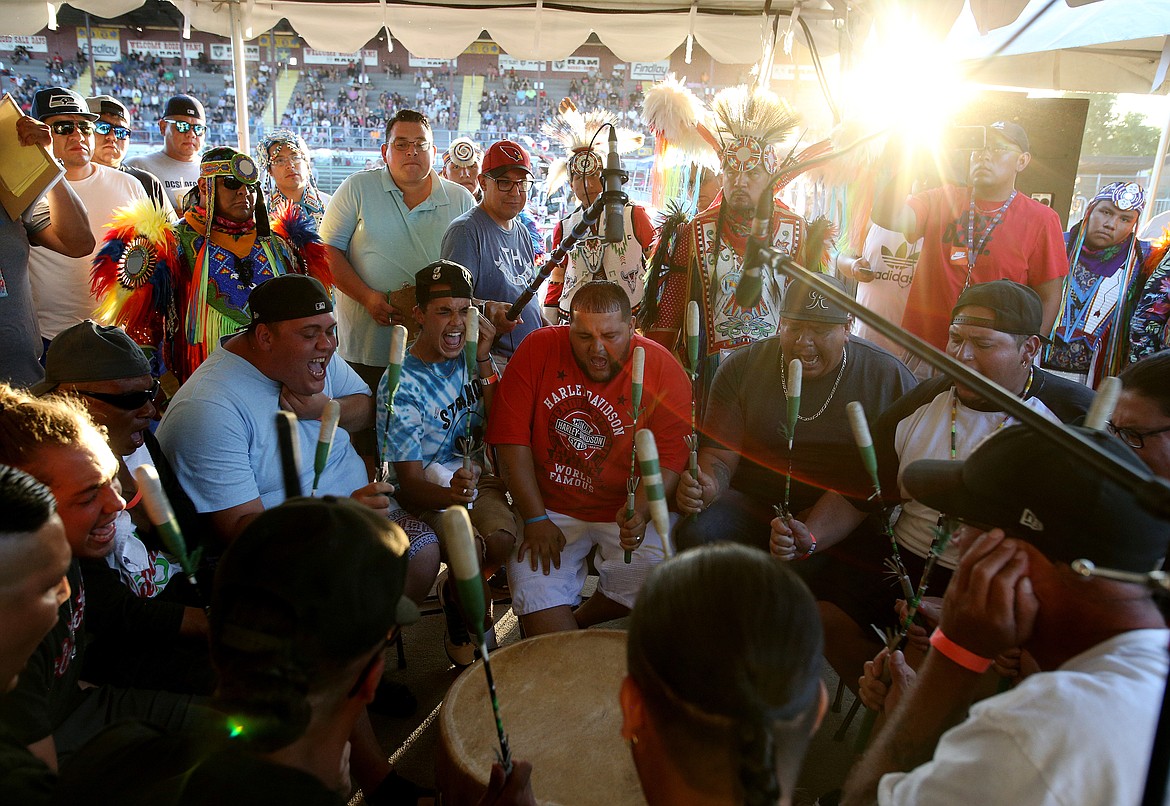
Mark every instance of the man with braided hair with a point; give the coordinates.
(182, 288)
(705, 257)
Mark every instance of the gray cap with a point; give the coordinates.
(91, 352)
(107, 105)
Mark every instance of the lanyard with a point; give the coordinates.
(973, 254)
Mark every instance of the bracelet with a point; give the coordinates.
(537, 519)
(811, 548)
(487, 360)
(490, 379)
(957, 654)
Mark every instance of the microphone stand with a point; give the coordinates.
(590, 217)
(1152, 492)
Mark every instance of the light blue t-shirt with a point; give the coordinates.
(387, 243)
(431, 408)
(219, 434)
(501, 263)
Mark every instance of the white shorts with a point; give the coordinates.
(533, 591)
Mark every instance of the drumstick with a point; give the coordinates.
(693, 359)
(637, 373)
(652, 478)
(792, 392)
(470, 347)
(393, 376)
(459, 541)
(290, 452)
(158, 509)
(329, 419)
(1103, 403)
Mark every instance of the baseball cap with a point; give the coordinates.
(312, 580)
(290, 296)
(1012, 132)
(805, 303)
(1017, 307)
(503, 155)
(462, 153)
(183, 105)
(88, 351)
(1036, 491)
(59, 101)
(442, 273)
(107, 105)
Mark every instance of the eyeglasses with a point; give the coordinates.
(411, 145)
(129, 401)
(995, 151)
(1134, 438)
(231, 183)
(284, 162)
(67, 127)
(182, 127)
(120, 132)
(506, 185)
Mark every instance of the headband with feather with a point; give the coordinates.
(578, 134)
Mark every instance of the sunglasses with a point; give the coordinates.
(120, 132)
(231, 183)
(67, 127)
(128, 401)
(182, 127)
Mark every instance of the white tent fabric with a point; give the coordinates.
(648, 30)
(1108, 46)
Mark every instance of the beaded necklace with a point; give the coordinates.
(973, 254)
(1002, 423)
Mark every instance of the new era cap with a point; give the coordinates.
(442, 273)
(503, 155)
(290, 296)
(1016, 307)
(805, 303)
(183, 105)
(107, 105)
(1012, 132)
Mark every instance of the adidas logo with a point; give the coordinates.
(1029, 520)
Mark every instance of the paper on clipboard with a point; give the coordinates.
(26, 172)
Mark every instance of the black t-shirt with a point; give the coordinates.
(747, 413)
(24, 778)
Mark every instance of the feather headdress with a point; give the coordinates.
(579, 134)
(681, 125)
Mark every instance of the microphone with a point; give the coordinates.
(750, 287)
(615, 200)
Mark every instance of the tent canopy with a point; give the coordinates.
(732, 31)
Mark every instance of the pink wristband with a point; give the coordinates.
(957, 654)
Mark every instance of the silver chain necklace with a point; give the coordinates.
(833, 391)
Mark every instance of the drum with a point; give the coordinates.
(559, 704)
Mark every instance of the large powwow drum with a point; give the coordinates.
(559, 703)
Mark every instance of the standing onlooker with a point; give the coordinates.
(177, 163)
(111, 140)
(61, 284)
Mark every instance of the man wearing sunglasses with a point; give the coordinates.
(61, 284)
(493, 245)
(177, 163)
(111, 139)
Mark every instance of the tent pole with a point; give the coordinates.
(240, 79)
(1156, 174)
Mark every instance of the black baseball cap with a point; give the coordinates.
(1011, 132)
(290, 296)
(1036, 491)
(1017, 307)
(183, 105)
(107, 105)
(54, 101)
(313, 580)
(442, 273)
(88, 351)
(805, 303)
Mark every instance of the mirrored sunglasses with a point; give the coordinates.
(120, 132)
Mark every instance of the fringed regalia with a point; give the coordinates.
(179, 289)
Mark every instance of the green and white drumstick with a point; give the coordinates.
(693, 336)
(693, 360)
(158, 509)
(470, 349)
(1104, 402)
(463, 560)
(647, 448)
(792, 392)
(329, 419)
(637, 374)
(397, 356)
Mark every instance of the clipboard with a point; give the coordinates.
(26, 172)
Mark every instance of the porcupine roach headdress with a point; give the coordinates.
(674, 114)
(579, 133)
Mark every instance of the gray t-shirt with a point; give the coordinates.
(177, 177)
(501, 263)
(19, 332)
